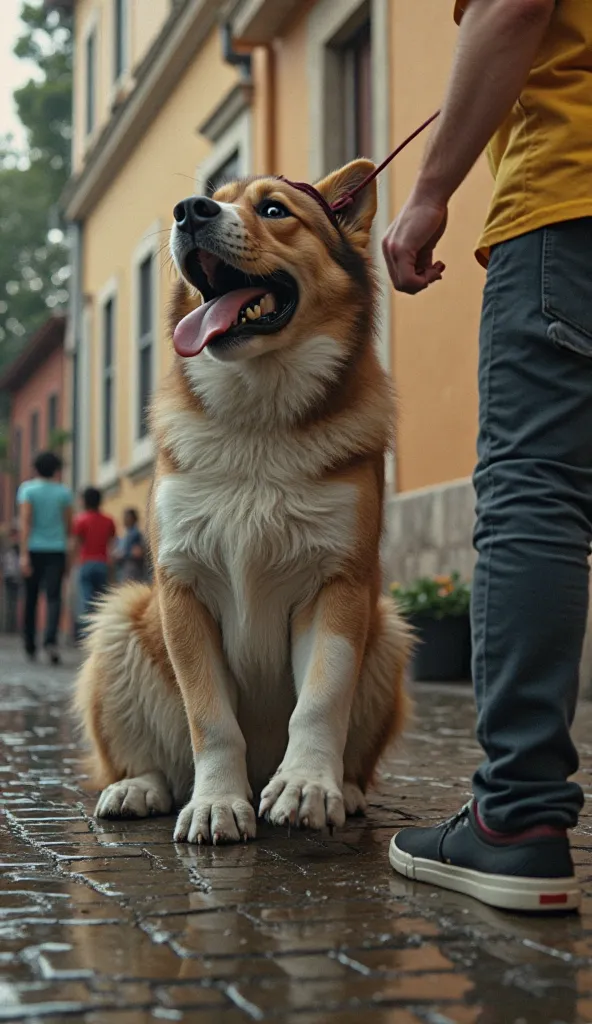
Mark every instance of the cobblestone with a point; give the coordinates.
(112, 923)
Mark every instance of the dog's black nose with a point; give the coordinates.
(193, 213)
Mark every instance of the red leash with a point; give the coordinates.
(331, 210)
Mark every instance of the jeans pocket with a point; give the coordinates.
(567, 286)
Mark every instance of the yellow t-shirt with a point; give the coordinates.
(541, 156)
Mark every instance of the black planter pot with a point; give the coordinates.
(443, 651)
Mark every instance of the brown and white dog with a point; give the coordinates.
(264, 659)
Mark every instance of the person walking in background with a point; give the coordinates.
(45, 515)
(131, 552)
(11, 579)
(94, 534)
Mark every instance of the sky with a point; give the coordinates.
(13, 72)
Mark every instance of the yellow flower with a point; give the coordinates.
(442, 580)
(395, 586)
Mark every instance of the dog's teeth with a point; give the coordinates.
(257, 310)
(267, 304)
(252, 315)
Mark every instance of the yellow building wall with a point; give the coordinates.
(146, 18)
(292, 101)
(435, 334)
(141, 198)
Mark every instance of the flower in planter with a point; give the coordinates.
(438, 609)
(436, 597)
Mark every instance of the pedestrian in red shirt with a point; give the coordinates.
(94, 533)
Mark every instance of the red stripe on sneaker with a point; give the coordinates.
(507, 838)
(552, 898)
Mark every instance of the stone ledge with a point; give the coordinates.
(430, 531)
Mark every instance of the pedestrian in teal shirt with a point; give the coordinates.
(45, 506)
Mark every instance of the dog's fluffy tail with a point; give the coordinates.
(114, 649)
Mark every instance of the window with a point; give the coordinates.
(145, 341)
(230, 157)
(357, 107)
(230, 170)
(145, 277)
(120, 38)
(91, 75)
(108, 410)
(348, 80)
(52, 416)
(34, 446)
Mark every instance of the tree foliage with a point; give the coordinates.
(33, 257)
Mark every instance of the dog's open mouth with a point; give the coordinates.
(236, 305)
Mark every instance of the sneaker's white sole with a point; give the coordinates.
(505, 892)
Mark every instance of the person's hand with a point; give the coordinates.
(409, 244)
(25, 565)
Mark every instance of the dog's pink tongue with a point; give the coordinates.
(216, 317)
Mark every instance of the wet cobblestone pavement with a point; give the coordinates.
(111, 923)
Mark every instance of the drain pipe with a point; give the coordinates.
(230, 55)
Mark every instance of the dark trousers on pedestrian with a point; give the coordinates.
(48, 569)
(93, 580)
(11, 602)
(534, 523)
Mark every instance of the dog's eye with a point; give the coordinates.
(272, 209)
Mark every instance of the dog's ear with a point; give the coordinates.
(358, 216)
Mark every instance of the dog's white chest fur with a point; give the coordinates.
(256, 539)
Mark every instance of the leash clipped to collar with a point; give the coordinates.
(333, 209)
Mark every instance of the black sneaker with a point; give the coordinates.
(531, 870)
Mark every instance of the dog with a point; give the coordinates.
(264, 661)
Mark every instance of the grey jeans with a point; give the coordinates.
(534, 523)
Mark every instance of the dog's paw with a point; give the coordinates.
(354, 799)
(135, 798)
(298, 797)
(221, 819)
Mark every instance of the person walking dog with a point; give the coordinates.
(521, 81)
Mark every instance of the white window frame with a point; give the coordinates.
(236, 138)
(118, 80)
(85, 406)
(325, 21)
(35, 418)
(142, 448)
(107, 470)
(91, 27)
(50, 430)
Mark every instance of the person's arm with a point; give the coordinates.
(498, 42)
(112, 547)
(76, 539)
(25, 525)
(71, 551)
(137, 550)
(68, 520)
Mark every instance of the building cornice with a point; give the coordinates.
(182, 35)
(232, 105)
(257, 22)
